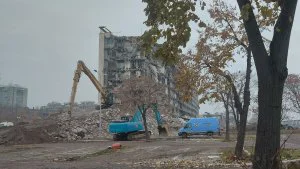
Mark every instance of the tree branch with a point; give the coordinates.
(247, 83)
(236, 97)
(256, 43)
(295, 101)
(237, 100)
(241, 87)
(234, 34)
(281, 38)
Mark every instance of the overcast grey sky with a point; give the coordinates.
(41, 41)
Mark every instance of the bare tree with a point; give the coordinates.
(169, 20)
(227, 98)
(141, 92)
(291, 95)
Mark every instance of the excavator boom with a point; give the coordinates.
(82, 68)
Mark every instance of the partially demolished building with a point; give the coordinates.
(120, 57)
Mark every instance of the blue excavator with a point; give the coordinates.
(131, 127)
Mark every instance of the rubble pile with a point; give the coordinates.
(85, 125)
(151, 123)
(23, 133)
(175, 122)
(172, 122)
(195, 161)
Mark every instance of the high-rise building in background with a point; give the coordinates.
(121, 57)
(13, 96)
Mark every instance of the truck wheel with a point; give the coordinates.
(210, 134)
(184, 135)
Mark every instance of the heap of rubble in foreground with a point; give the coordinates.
(85, 125)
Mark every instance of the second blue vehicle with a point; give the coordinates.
(200, 126)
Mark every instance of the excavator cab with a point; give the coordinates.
(108, 101)
(126, 118)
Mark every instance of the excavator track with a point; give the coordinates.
(136, 135)
(130, 137)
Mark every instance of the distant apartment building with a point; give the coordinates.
(13, 96)
(55, 107)
(121, 57)
(52, 107)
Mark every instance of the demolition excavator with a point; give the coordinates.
(106, 97)
(131, 127)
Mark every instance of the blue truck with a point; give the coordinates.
(131, 127)
(200, 126)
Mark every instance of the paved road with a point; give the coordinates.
(135, 154)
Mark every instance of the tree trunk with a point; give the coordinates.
(145, 125)
(227, 136)
(235, 115)
(270, 90)
(244, 113)
(267, 145)
(226, 106)
(241, 135)
(143, 110)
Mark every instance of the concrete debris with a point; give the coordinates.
(37, 132)
(184, 163)
(6, 124)
(84, 125)
(246, 152)
(213, 157)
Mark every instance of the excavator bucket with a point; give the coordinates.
(163, 130)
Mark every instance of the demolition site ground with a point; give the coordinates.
(167, 152)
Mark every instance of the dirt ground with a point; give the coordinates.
(37, 132)
(171, 152)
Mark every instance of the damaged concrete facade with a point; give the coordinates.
(120, 57)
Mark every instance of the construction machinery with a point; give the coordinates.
(131, 127)
(81, 67)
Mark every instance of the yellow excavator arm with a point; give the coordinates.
(82, 68)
